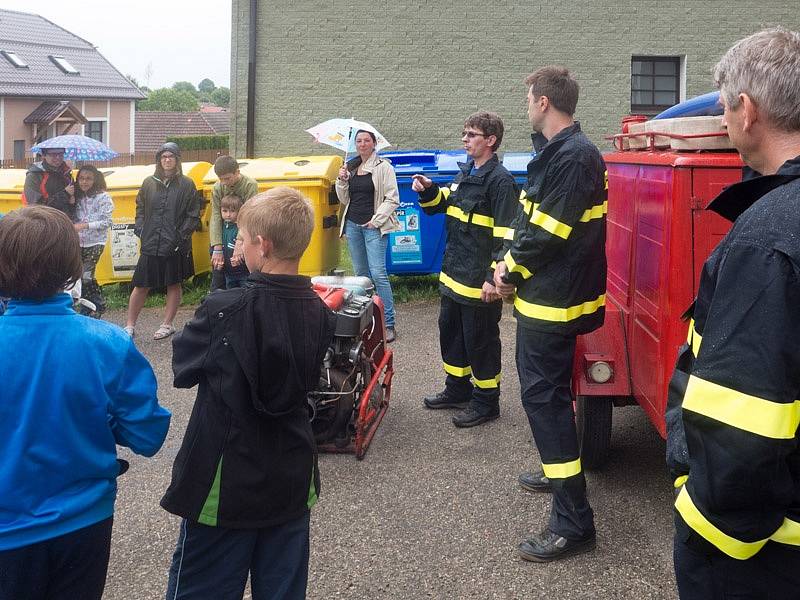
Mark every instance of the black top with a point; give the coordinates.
(362, 198)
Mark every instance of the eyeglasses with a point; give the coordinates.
(472, 134)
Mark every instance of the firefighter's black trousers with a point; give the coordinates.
(469, 336)
(705, 573)
(544, 363)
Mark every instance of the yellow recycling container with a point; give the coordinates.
(118, 261)
(11, 183)
(314, 176)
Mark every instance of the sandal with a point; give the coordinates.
(128, 329)
(163, 331)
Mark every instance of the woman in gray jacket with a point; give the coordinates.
(367, 191)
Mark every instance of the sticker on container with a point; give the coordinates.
(124, 249)
(406, 244)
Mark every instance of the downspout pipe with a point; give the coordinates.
(250, 137)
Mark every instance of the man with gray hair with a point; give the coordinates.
(736, 386)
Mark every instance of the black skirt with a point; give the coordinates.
(161, 271)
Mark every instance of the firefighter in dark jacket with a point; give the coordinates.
(167, 214)
(735, 391)
(50, 183)
(556, 263)
(246, 474)
(480, 205)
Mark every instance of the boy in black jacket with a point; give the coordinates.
(246, 474)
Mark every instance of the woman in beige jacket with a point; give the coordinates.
(367, 191)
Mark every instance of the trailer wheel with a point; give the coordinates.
(593, 422)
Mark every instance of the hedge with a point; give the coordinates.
(200, 142)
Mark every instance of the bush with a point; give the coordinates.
(200, 142)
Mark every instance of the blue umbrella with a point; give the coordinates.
(77, 147)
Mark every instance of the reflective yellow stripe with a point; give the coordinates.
(457, 213)
(693, 339)
(493, 265)
(550, 224)
(459, 288)
(488, 384)
(750, 413)
(443, 193)
(729, 545)
(680, 481)
(477, 219)
(562, 470)
(507, 233)
(513, 267)
(788, 533)
(483, 220)
(457, 371)
(596, 212)
(561, 315)
(527, 205)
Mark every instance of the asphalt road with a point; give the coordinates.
(432, 511)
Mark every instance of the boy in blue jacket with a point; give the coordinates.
(61, 418)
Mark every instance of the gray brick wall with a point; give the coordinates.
(415, 69)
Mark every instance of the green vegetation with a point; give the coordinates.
(413, 288)
(167, 99)
(199, 142)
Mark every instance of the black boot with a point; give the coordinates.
(444, 400)
(535, 481)
(549, 546)
(471, 417)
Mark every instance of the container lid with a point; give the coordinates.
(286, 168)
(411, 161)
(517, 162)
(12, 179)
(134, 175)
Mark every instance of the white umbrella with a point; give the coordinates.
(341, 134)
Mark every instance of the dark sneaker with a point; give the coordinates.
(549, 546)
(390, 335)
(535, 482)
(471, 417)
(443, 400)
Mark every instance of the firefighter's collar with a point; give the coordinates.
(541, 143)
(737, 198)
(466, 167)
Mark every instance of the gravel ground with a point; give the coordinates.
(432, 511)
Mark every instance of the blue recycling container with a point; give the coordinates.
(418, 247)
(517, 165)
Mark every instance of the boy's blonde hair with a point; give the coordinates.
(282, 215)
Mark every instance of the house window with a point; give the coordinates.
(19, 150)
(63, 64)
(96, 130)
(14, 59)
(655, 83)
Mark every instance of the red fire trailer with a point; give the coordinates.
(659, 235)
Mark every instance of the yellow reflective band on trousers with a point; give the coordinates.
(598, 211)
(444, 193)
(694, 339)
(457, 371)
(550, 224)
(487, 384)
(699, 523)
(562, 470)
(788, 533)
(762, 417)
(513, 267)
(459, 288)
(559, 315)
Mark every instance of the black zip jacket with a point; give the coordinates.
(556, 254)
(248, 458)
(480, 209)
(167, 213)
(45, 185)
(736, 389)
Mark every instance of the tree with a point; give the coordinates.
(221, 96)
(185, 86)
(206, 86)
(166, 99)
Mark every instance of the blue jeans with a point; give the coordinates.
(368, 252)
(213, 562)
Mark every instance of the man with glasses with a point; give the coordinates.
(50, 182)
(555, 268)
(480, 205)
